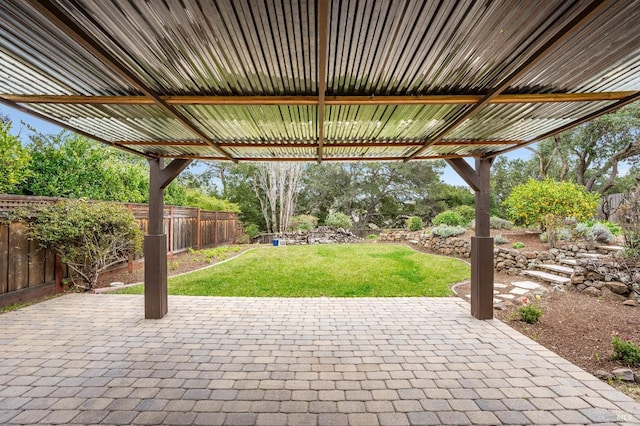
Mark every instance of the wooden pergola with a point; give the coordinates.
(319, 80)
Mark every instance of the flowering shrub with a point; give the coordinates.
(529, 313)
(530, 203)
(625, 350)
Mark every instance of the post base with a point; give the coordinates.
(482, 270)
(155, 276)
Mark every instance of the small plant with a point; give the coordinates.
(450, 218)
(173, 264)
(372, 237)
(414, 223)
(499, 223)
(530, 314)
(625, 350)
(601, 233)
(518, 245)
(446, 231)
(499, 239)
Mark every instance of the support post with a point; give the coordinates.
(155, 242)
(482, 266)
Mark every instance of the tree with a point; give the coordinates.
(592, 153)
(505, 175)
(277, 186)
(14, 167)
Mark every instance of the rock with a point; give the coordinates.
(630, 303)
(499, 307)
(558, 287)
(618, 287)
(609, 295)
(577, 279)
(624, 374)
(603, 375)
(592, 291)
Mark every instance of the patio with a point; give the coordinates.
(92, 359)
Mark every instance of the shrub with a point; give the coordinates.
(530, 203)
(518, 245)
(372, 237)
(626, 351)
(414, 223)
(303, 222)
(499, 223)
(197, 198)
(446, 231)
(499, 239)
(88, 236)
(252, 230)
(450, 218)
(530, 314)
(338, 220)
(467, 213)
(601, 233)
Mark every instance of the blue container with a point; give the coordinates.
(276, 243)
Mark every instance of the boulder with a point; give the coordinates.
(609, 295)
(618, 287)
(630, 302)
(603, 375)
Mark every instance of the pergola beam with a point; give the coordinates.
(530, 98)
(323, 34)
(591, 10)
(55, 15)
(265, 145)
(310, 159)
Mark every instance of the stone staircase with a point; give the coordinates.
(555, 274)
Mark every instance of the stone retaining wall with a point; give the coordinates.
(606, 277)
(322, 235)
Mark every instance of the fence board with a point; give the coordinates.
(49, 266)
(4, 259)
(36, 264)
(19, 262)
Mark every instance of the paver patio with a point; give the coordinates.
(93, 359)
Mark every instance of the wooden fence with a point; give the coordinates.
(28, 272)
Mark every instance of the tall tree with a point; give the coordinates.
(277, 186)
(14, 167)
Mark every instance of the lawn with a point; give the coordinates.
(338, 270)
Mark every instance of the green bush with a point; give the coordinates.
(467, 213)
(530, 314)
(450, 218)
(414, 223)
(446, 231)
(252, 230)
(303, 222)
(338, 220)
(499, 223)
(89, 237)
(372, 237)
(626, 351)
(518, 245)
(529, 204)
(197, 198)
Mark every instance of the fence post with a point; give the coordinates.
(198, 227)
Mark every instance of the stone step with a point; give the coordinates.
(558, 269)
(590, 255)
(611, 248)
(569, 261)
(545, 276)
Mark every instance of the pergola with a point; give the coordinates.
(323, 80)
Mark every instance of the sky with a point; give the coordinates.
(449, 176)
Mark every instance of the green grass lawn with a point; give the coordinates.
(337, 270)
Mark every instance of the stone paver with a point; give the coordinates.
(94, 359)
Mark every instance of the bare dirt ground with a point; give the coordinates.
(577, 327)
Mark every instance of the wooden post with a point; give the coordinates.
(482, 267)
(155, 242)
(171, 236)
